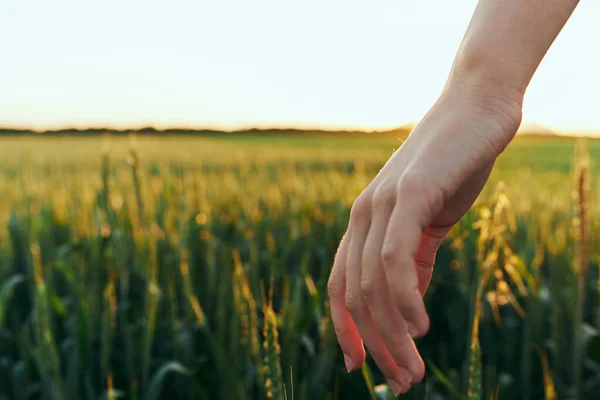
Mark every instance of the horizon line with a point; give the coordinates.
(526, 127)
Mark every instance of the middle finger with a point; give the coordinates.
(374, 286)
(358, 309)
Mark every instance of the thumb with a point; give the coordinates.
(431, 239)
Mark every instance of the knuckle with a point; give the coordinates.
(410, 184)
(384, 196)
(333, 286)
(388, 254)
(354, 303)
(368, 288)
(361, 208)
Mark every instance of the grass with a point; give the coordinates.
(196, 268)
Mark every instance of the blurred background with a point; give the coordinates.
(176, 179)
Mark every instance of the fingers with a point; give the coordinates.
(415, 207)
(375, 291)
(431, 239)
(355, 302)
(382, 269)
(345, 329)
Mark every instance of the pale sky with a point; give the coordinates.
(231, 64)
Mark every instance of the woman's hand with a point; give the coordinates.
(385, 260)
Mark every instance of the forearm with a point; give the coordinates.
(505, 42)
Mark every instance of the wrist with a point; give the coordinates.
(485, 75)
(492, 94)
(477, 96)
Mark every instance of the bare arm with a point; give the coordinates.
(385, 260)
(507, 39)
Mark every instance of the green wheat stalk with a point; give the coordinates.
(273, 376)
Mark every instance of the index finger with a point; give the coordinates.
(416, 204)
(345, 329)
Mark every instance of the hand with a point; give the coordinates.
(385, 260)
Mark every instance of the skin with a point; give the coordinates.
(385, 259)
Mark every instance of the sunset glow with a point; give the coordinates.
(233, 64)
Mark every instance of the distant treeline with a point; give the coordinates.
(191, 132)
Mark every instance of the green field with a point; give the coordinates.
(196, 268)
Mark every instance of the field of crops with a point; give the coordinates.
(196, 268)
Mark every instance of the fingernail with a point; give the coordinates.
(395, 386)
(348, 362)
(404, 377)
(412, 331)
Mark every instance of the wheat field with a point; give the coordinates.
(189, 267)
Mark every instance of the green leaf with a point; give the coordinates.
(57, 304)
(156, 383)
(442, 378)
(368, 376)
(6, 293)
